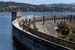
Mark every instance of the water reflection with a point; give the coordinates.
(6, 40)
(17, 45)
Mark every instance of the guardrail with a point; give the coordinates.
(54, 18)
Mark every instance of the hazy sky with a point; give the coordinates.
(42, 1)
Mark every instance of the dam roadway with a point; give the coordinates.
(38, 40)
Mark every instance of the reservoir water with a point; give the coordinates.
(6, 40)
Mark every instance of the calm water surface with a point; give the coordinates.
(6, 42)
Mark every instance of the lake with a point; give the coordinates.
(6, 42)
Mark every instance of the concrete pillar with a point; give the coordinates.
(64, 18)
(33, 20)
(74, 18)
(54, 19)
(67, 17)
(59, 17)
(70, 18)
(51, 18)
(43, 20)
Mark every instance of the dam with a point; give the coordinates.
(45, 38)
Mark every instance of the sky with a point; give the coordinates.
(41, 1)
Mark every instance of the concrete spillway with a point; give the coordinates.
(40, 40)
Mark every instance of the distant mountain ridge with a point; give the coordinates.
(10, 6)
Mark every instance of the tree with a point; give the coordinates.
(65, 31)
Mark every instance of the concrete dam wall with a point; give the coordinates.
(36, 40)
(33, 42)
